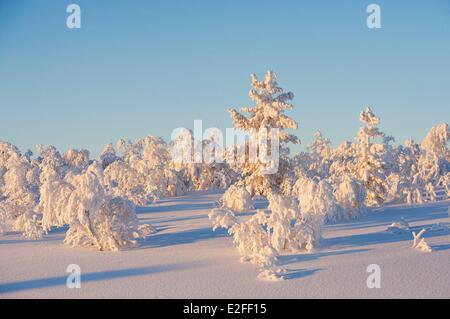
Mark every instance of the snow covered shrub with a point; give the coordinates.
(237, 198)
(29, 223)
(147, 159)
(420, 242)
(94, 217)
(222, 218)
(398, 227)
(286, 226)
(284, 214)
(252, 240)
(290, 228)
(112, 227)
(350, 196)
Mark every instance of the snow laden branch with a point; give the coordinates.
(420, 243)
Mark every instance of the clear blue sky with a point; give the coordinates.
(141, 67)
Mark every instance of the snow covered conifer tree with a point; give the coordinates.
(51, 164)
(350, 196)
(268, 113)
(108, 155)
(237, 198)
(317, 205)
(76, 160)
(320, 154)
(144, 173)
(370, 166)
(436, 141)
(444, 181)
(434, 161)
(252, 240)
(95, 218)
(18, 199)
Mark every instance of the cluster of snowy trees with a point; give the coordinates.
(95, 199)
(322, 185)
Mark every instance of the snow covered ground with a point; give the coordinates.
(186, 259)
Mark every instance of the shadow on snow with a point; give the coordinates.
(89, 277)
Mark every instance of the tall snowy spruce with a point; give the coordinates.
(265, 117)
(370, 166)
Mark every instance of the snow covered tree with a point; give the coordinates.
(320, 155)
(282, 222)
(406, 184)
(434, 160)
(350, 195)
(370, 166)
(237, 198)
(76, 161)
(444, 181)
(126, 182)
(317, 205)
(213, 172)
(267, 116)
(436, 141)
(342, 162)
(420, 243)
(251, 239)
(95, 218)
(18, 199)
(51, 164)
(29, 224)
(143, 173)
(108, 155)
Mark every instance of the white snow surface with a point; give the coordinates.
(187, 259)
